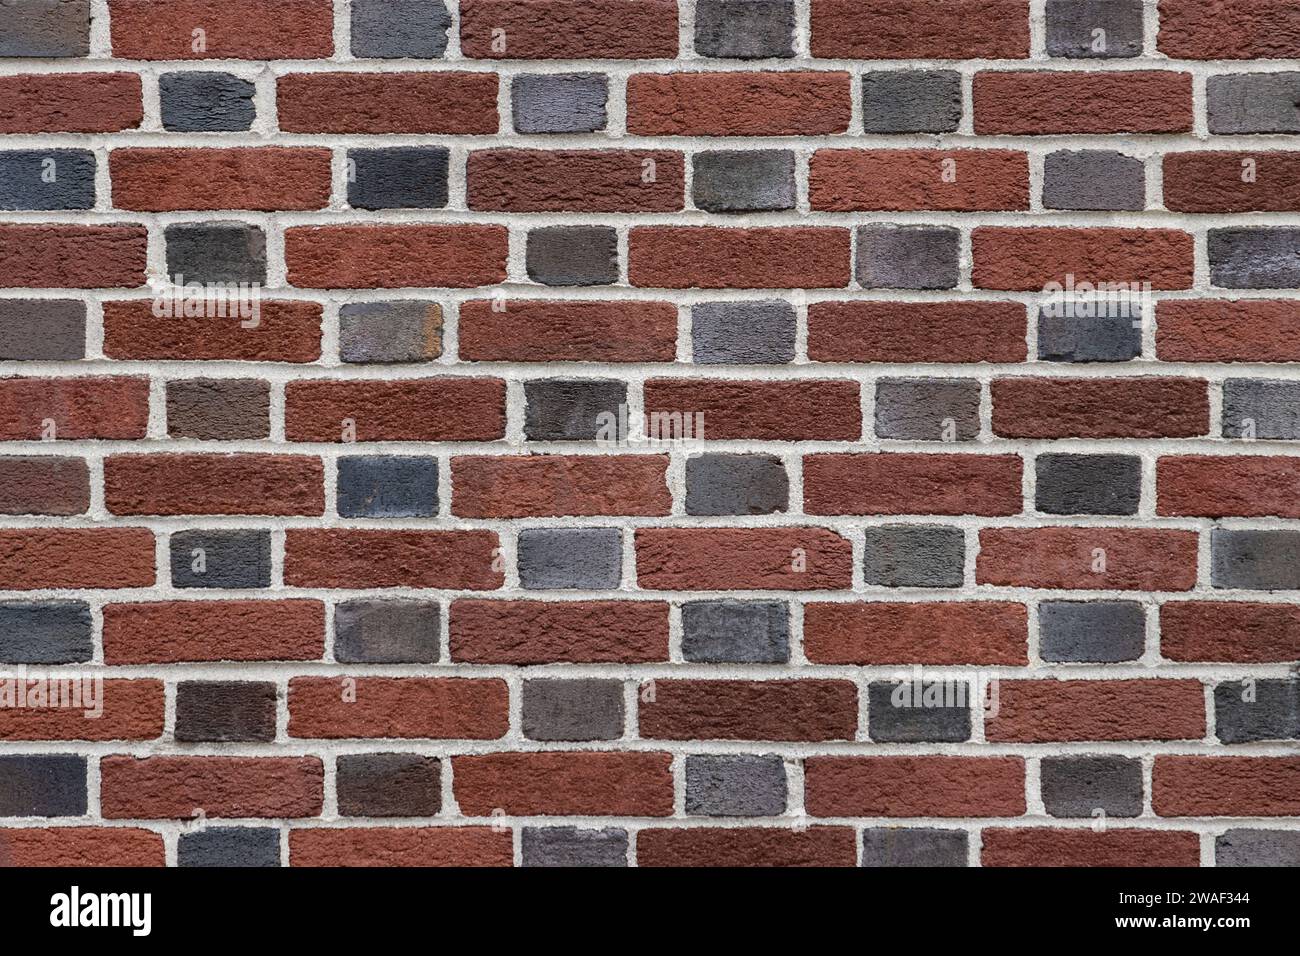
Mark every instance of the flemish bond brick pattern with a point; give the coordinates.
(651, 432)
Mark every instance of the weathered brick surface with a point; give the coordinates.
(348, 352)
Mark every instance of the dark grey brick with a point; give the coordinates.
(1076, 786)
(206, 102)
(736, 632)
(570, 409)
(914, 846)
(907, 257)
(744, 29)
(587, 558)
(1096, 632)
(387, 631)
(45, 632)
(743, 333)
(387, 486)
(402, 177)
(389, 785)
(1093, 179)
(225, 711)
(1073, 25)
(218, 409)
(1255, 258)
(1259, 709)
(896, 716)
(389, 29)
(736, 485)
(1088, 484)
(45, 28)
(573, 255)
(229, 846)
(911, 101)
(928, 409)
(743, 180)
(44, 179)
(914, 556)
(747, 785)
(562, 103)
(216, 252)
(42, 330)
(573, 709)
(1255, 560)
(42, 785)
(221, 559)
(571, 846)
(390, 332)
(1254, 103)
(1257, 848)
(1261, 408)
(1106, 338)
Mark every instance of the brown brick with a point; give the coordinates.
(575, 180)
(1044, 846)
(1146, 407)
(746, 846)
(920, 29)
(805, 410)
(1047, 711)
(190, 484)
(939, 633)
(421, 409)
(1036, 102)
(572, 632)
(914, 786)
(233, 29)
(1136, 559)
(802, 710)
(720, 559)
(711, 257)
(38, 558)
(963, 180)
(131, 710)
(547, 330)
(159, 788)
(1219, 330)
(529, 486)
(776, 103)
(70, 103)
(72, 257)
(565, 784)
(169, 632)
(1248, 486)
(218, 409)
(1029, 259)
(431, 102)
(907, 332)
(43, 485)
(362, 558)
(912, 483)
(409, 707)
(81, 846)
(1226, 786)
(285, 332)
(401, 846)
(1236, 631)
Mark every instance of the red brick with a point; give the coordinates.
(162, 180)
(575, 180)
(401, 846)
(1212, 181)
(728, 559)
(72, 257)
(914, 786)
(81, 846)
(33, 409)
(1226, 786)
(746, 846)
(948, 632)
(336, 708)
(1048, 711)
(713, 257)
(285, 332)
(356, 558)
(169, 632)
(411, 409)
(432, 102)
(549, 330)
(1044, 846)
(912, 483)
(1220, 330)
(920, 29)
(158, 788)
(849, 180)
(804, 410)
(1100, 407)
(905, 332)
(233, 29)
(1136, 559)
(564, 784)
(569, 29)
(1036, 102)
(131, 710)
(558, 632)
(70, 103)
(802, 710)
(1229, 29)
(775, 103)
(44, 485)
(531, 486)
(1247, 486)
(198, 484)
(1029, 259)
(39, 558)
(395, 257)
(1235, 631)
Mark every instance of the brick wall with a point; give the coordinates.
(375, 574)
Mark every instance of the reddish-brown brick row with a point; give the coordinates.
(214, 484)
(427, 409)
(159, 788)
(916, 332)
(1146, 407)
(168, 632)
(779, 103)
(44, 485)
(432, 102)
(414, 707)
(1228, 485)
(394, 257)
(1226, 786)
(1126, 559)
(576, 180)
(548, 330)
(161, 180)
(1232, 182)
(530, 486)
(964, 180)
(70, 102)
(808, 710)
(34, 558)
(364, 558)
(1045, 846)
(165, 29)
(960, 29)
(120, 710)
(400, 846)
(1229, 29)
(1057, 101)
(1238, 631)
(805, 410)
(72, 257)
(67, 409)
(564, 784)
(914, 786)
(708, 257)
(720, 559)
(1032, 258)
(949, 632)
(573, 632)
(746, 846)
(569, 29)
(912, 483)
(1216, 330)
(81, 846)
(279, 332)
(1040, 711)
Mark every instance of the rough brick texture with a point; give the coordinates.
(651, 432)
